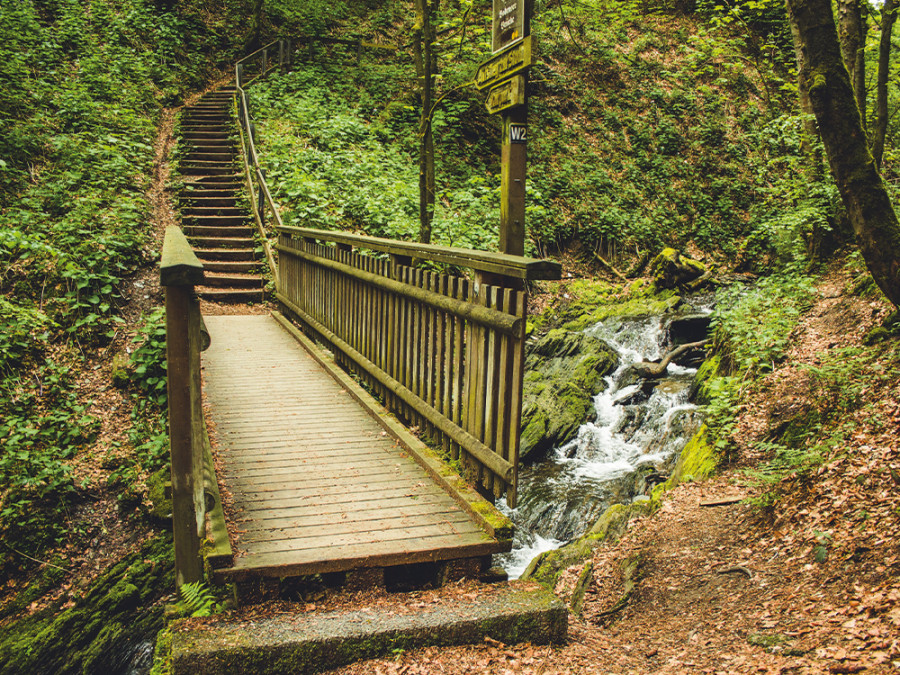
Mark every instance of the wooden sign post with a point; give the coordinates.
(506, 74)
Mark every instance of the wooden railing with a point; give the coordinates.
(277, 55)
(443, 352)
(197, 518)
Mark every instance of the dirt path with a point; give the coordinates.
(812, 586)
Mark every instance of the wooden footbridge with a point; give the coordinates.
(369, 423)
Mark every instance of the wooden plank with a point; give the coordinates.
(324, 540)
(371, 509)
(279, 537)
(280, 565)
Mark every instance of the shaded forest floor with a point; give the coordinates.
(807, 584)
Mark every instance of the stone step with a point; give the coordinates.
(325, 639)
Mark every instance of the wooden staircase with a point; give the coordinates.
(214, 215)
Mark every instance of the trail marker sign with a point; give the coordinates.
(507, 94)
(509, 24)
(504, 65)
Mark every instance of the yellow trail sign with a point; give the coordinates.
(505, 64)
(506, 95)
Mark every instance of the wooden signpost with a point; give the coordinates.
(506, 75)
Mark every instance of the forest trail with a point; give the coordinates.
(723, 587)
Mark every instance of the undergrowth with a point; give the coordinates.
(83, 84)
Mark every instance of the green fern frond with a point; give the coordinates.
(197, 598)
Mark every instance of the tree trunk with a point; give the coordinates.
(852, 36)
(425, 69)
(840, 124)
(810, 133)
(888, 14)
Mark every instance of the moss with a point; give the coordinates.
(710, 368)
(698, 459)
(158, 504)
(546, 568)
(586, 302)
(564, 370)
(119, 609)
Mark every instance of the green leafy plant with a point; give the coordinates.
(198, 600)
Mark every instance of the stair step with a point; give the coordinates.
(195, 201)
(219, 280)
(207, 210)
(217, 135)
(222, 242)
(211, 144)
(229, 294)
(225, 254)
(226, 267)
(219, 221)
(193, 169)
(217, 232)
(194, 156)
(231, 188)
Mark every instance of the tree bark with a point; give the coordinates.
(425, 69)
(852, 36)
(840, 124)
(888, 14)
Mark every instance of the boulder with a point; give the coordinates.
(564, 370)
(671, 270)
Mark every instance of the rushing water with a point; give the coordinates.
(635, 430)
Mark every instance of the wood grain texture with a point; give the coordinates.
(316, 484)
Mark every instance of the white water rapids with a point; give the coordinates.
(561, 496)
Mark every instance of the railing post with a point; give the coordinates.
(261, 198)
(180, 271)
(265, 61)
(239, 75)
(288, 55)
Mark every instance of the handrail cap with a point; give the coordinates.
(179, 265)
(518, 267)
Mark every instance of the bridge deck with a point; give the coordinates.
(316, 484)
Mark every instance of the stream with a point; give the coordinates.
(639, 430)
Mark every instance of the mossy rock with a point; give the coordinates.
(698, 460)
(586, 302)
(672, 270)
(564, 371)
(97, 634)
(710, 368)
(546, 568)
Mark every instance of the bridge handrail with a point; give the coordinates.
(445, 353)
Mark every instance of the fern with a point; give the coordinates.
(197, 599)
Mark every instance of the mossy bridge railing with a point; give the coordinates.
(437, 333)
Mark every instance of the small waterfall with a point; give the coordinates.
(639, 428)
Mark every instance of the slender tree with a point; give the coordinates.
(833, 101)
(852, 36)
(879, 131)
(426, 67)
